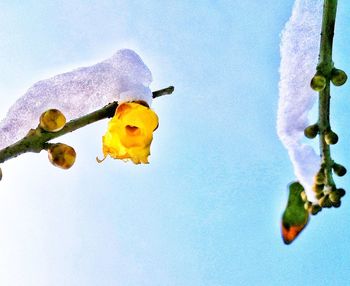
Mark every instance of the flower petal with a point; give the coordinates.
(130, 132)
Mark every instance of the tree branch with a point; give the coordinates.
(36, 140)
(324, 186)
(325, 66)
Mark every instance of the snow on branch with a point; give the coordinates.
(299, 52)
(123, 77)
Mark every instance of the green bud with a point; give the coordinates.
(340, 170)
(325, 202)
(319, 195)
(334, 197)
(341, 192)
(321, 201)
(336, 204)
(318, 188)
(315, 209)
(0, 174)
(331, 138)
(318, 82)
(311, 131)
(320, 177)
(328, 204)
(338, 77)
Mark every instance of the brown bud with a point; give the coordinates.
(61, 155)
(52, 120)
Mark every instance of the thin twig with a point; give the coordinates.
(325, 66)
(36, 140)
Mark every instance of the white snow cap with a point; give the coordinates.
(299, 54)
(123, 77)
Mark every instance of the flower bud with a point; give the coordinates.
(338, 169)
(303, 196)
(61, 155)
(318, 82)
(338, 77)
(331, 138)
(0, 174)
(307, 206)
(52, 120)
(311, 131)
(334, 197)
(336, 204)
(341, 192)
(315, 209)
(318, 188)
(319, 195)
(325, 202)
(320, 177)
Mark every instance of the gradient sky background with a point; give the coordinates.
(206, 211)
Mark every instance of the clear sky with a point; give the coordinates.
(206, 210)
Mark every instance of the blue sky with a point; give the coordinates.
(206, 210)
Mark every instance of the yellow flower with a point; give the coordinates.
(130, 132)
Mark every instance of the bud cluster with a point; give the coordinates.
(327, 194)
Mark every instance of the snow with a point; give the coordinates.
(299, 55)
(123, 77)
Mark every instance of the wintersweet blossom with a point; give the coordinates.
(130, 132)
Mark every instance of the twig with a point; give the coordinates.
(36, 140)
(325, 66)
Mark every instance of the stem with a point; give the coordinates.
(325, 66)
(164, 91)
(36, 140)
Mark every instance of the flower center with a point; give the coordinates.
(132, 130)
